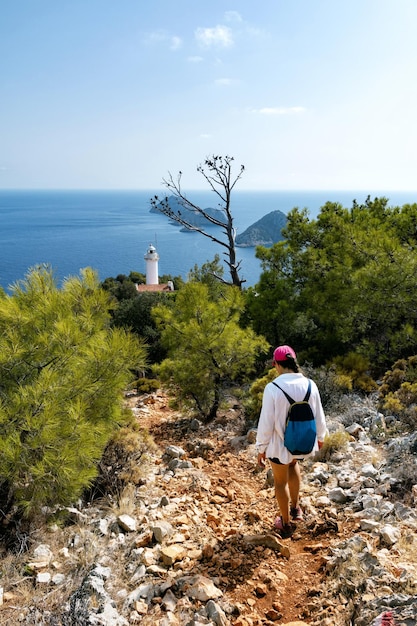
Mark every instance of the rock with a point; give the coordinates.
(92, 600)
(338, 495)
(261, 590)
(323, 501)
(369, 525)
(149, 556)
(175, 464)
(201, 588)
(174, 452)
(389, 535)
(273, 615)
(173, 553)
(58, 579)
(169, 620)
(43, 552)
(145, 591)
(43, 578)
(141, 607)
(162, 530)
(238, 442)
(169, 601)
(369, 471)
(127, 523)
(216, 614)
(251, 435)
(42, 557)
(269, 541)
(346, 479)
(270, 478)
(398, 608)
(103, 526)
(354, 430)
(192, 522)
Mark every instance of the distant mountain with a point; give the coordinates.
(264, 232)
(192, 217)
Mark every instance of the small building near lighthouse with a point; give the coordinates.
(152, 277)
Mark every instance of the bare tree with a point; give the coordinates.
(217, 170)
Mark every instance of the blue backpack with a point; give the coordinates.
(300, 430)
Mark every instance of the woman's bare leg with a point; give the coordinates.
(282, 492)
(294, 482)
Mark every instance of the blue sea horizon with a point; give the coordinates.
(109, 230)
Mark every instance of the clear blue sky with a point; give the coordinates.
(307, 94)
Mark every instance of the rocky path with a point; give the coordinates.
(342, 504)
(238, 502)
(194, 544)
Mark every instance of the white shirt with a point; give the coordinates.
(271, 426)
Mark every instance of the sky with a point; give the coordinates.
(115, 94)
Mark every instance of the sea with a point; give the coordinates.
(110, 231)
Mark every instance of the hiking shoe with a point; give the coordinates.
(296, 513)
(285, 530)
(387, 619)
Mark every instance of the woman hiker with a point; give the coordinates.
(270, 435)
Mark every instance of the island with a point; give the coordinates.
(264, 232)
(193, 217)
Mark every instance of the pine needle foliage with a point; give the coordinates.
(207, 348)
(62, 374)
(342, 283)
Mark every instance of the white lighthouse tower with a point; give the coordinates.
(151, 258)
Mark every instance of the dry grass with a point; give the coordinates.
(333, 443)
(125, 502)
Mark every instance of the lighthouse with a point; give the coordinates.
(151, 258)
(152, 280)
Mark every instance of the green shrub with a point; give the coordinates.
(252, 404)
(146, 385)
(398, 392)
(403, 370)
(353, 371)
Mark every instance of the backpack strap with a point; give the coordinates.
(290, 400)
(307, 396)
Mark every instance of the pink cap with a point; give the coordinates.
(283, 352)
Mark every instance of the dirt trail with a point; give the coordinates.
(267, 587)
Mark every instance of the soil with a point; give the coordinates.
(261, 581)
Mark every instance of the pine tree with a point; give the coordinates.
(62, 373)
(207, 348)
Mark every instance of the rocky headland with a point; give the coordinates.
(264, 232)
